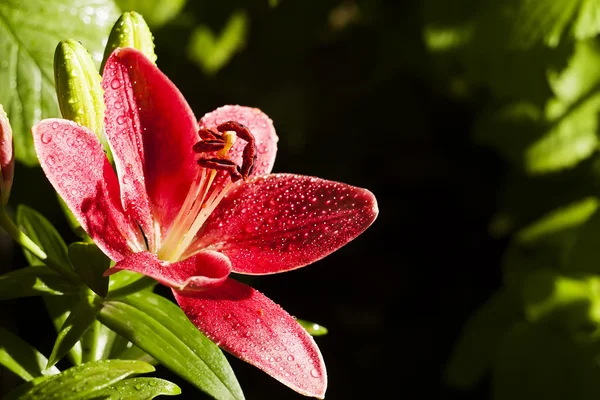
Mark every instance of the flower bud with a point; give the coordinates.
(130, 30)
(7, 157)
(78, 87)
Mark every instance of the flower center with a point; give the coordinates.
(206, 193)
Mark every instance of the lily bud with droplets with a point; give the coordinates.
(130, 30)
(78, 87)
(7, 157)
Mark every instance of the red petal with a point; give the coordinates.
(7, 156)
(75, 164)
(205, 270)
(281, 222)
(151, 130)
(261, 127)
(250, 326)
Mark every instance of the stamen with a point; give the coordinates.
(221, 164)
(249, 155)
(205, 146)
(209, 134)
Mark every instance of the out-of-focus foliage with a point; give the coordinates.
(29, 33)
(534, 68)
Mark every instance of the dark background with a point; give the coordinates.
(362, 105)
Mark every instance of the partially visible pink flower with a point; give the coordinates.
(192, 202)
(7, 157)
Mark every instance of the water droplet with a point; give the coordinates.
(115, 83)
(70, 141)
(46, 137)
(314, 373)
(50, 160)
(127, 179)
(290, 358)
(227, 316)
(138, 386)
(120, 119)
(54, 125)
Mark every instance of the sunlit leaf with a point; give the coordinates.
(474, 352)
(549, 21)
(33, 281)
(313, 328)
(29, 33)
(77, 383)
(161, 329)
(212, 51)
(21, 358)
(567, 217)
(136, 389)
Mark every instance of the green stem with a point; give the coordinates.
(21, 238)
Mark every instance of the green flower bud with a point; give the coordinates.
(7, 157)
(130, 30)
(78, 87)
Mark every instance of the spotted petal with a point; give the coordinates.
(203, 271)
(151, 130)
(250, 326)
(281, 222)
(75, 164)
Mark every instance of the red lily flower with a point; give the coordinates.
(191, 202)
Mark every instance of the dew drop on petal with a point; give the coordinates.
(115, 83)
(120, 119)
(314, 373)
(54, 125)
(46, 137)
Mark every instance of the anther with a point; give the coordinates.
(209, 134)
(249, 155)
(204, 146)
(221, 164)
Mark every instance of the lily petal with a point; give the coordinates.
(281, 222)
(75, 164)
(261, 127)
(151, 130)
(203, 271)
(250, 326)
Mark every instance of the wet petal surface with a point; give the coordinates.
(249, 325)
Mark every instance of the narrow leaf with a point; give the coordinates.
(59, 308)
(33, 281)
(90, 263)
(41, 231)
(79, 382)
(80, 319)
(21, 358)
(160, 328)
(136, 389)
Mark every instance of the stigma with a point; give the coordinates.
(209, 187)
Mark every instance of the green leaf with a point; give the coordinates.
(563, 133)
(21, 358)
(161, 329)
(313, 328)
(124, 283)
(135, 353)
(79, 382)
(548, 21)
(59, 308)
(155, 12)
(90, 263)
(29, 33)
(97, 342)
(474, 352)
(210, 52)
(567, 217)
(42, 233)
(136, 389)
(33, 281)
(78, 321)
